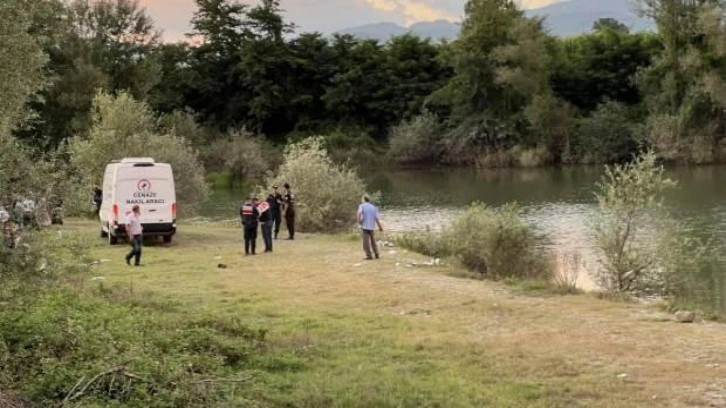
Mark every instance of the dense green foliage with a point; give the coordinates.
(505, 93)
(495, 243)
(630, 200)
(123, 127)
(643, 248)
(325, 192)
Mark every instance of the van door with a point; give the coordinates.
(154, 195)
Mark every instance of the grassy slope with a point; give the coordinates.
(383, 334)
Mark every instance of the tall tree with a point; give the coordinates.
(602, 65)
(500, 65)
(104, 44)
(21, 61)
(473, 91)
(687, 119)
(217, 92)
(265, 67)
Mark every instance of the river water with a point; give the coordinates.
(558, 201)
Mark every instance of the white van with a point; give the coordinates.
(142, 182)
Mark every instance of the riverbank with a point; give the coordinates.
(395, 332)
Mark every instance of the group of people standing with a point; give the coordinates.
(267, 215)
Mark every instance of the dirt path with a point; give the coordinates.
(608, 353)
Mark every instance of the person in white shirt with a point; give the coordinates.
(135, 232)
(368, 219)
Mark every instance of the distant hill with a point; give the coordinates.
(567, 18)
(577, 16)
(435, 30)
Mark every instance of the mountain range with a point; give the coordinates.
(563, 19)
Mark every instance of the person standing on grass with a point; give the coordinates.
(266, 223)
(368, 218)
(276, 210)
(250, 218)
(134, 230)
(289, 209)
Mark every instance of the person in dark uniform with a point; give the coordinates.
(266, 221)
(276, 210)
(289, 209)
(97, 199)
(250, 218)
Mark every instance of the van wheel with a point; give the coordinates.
(112, 240)
(167, 239)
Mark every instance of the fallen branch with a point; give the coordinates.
(221, 380)
(120, 370)
(75, 387)
(70, 397)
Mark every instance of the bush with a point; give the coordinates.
(606, 136)
(352, 146)
(497, 243)
(44, 181)
(435, 245)
(417, 141)
(123, 127)
(679, 138)
(327, 194)
(551, 123)
(183, 124)
(630, 199)
(242, 155)
(690, 268)
(531, 157)
(61, 342)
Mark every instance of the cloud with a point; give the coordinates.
(537, 3)
(327, 16)
(413, 10)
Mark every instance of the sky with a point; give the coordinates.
(326, 16)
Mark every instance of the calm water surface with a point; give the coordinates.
(558, 201)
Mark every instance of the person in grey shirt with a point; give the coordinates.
(135, 232)
(368, 219)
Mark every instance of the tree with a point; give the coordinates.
(124, 127)
(610, 24)
(105, 44)
(684, 84)
(265, 67)
(500, 64)
(177, 78)
(628, 197)
(325, 191)
(413, 71)
(216, 92)
(356, 90)
(607, 135)
(221, 25)
(21, 62)
(473, 90)
(315, 61)
(601, 66)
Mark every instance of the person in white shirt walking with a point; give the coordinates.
(135, 233)
(368, 218)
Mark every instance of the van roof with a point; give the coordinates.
(137, 160)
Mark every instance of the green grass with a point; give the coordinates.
(313, 325)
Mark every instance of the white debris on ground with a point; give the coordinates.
(432, 263)
(386, 244)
